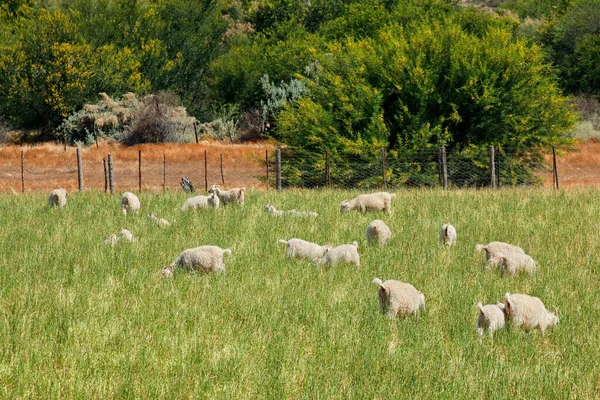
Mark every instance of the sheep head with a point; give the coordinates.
(422, 301)
(345, 206)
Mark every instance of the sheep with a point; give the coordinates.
(515, 262)
(201, 202)
(112, 240)
(379, 231)
(528, 312)
(163, 223)
(380, 201)
(493, 248)
(270, 208)
(448, 235)
(130, 203)
(302, 249)
(399, 299)
(491, 317)
(203, 258)
(58, 198)
(231, 196)
(342, 253)
(125, 234)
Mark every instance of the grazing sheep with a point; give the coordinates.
(231, 196)
(302, 249)
(163, 223)
(399, 299)
(125, 234)
(343, 253)
(203, 258)
(130, 203)
(493, 248)
(112, 240)
(380, 201)
(270, 208)
(201, 202)
(379, 231)
(491, 317)
(515, 262)
(528, 312)
(448, 235)
(58, 198)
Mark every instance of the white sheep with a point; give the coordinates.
(528, 312)
(515, 262)
(399, 299)
(203, 258)
(130, 203)
(447, 235)
(163, 223)
(125, 234)
(201, 201)
(58, 198)
(343, 253)
(491, 317)
(493, 248)
(112, 240)
(380, 201)
(270, 208)
(231, 196)
(377, 230)
(302, 249)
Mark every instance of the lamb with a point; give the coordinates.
(379, 231)
(125, 234)
(344, 253)
(231, 196)
(270, 208)
(58, 198)
(399, 299)
(493, 248)
(130, 203)
(201, 202)
(515, 262)
(448, 235)
(491, 317)
(528, 312)
(380, 201)
(302, 249)
(163, 223)
(204, 258)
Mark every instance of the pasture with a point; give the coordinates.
(81, 320)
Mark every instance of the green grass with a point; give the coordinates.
(80, 320)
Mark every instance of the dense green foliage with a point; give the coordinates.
(80, 320)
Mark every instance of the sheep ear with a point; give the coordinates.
(374, 230)
(480, 306)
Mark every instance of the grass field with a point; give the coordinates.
(80, 320)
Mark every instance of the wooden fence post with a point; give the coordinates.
(140, 170)
(196, 131)
(222, 176)
(22, 171)
(105, 175)
(205, 172)
(444, 167)
(79, 171)
(383, 168)
(267, 166)
(111, 175)
(278, 169)
(492, 168)
(554, 167)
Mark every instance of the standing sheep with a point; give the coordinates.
(231, 196)
(130, 203)
(528, 312)
(343, 253)
(447, 235)
(302, 249)
(491, 317)
(58, 198)
(201, 201)
(399, 299)
(203, 258)
(493, 248)
(379, 231)
(515, 262)
(380, 201)
(163, 223)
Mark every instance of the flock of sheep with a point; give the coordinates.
(396, 298)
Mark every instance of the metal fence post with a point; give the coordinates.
(105, 175)
(327, 169)
(222, 176)
(79, 171)
(267, 167)
(383, 168)
(140, 170)
(443, 167)
(164, 172)
(111, 175)
(278, 169)
(492, 168)
(554, 167)
(22, 171)
(205, 172)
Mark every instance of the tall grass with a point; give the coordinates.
(82, 320)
